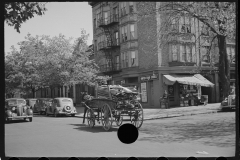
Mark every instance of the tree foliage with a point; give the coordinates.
(45, 61)
(15, 13)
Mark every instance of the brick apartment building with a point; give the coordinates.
(127, 49)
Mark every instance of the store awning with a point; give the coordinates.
(196, 79)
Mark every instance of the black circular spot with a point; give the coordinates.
(132, 158)
(162, 158)
(73, 158)
(191, 158)
(127, 133)
(102, 158)
(221, 158)
(13, 158)
(43, 158)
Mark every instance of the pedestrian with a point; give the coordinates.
(84, 104)
(165, 98)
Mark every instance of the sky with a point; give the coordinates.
(67, 18)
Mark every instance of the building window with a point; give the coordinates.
(231, 54)
(189, 53)
(106, 18)
(132, 33)
(131, 8)
(116, 38)
(117, 65)
(205, 30)
(126, 59)
(99, 17)
(124, 33)
(94, 24)
(182, 53)
(115, 14)
(174, 52)
(205, 54)
(174, 25)
(123, 8)
(133, 59)
(185, 53)
(123, 59)
(185, 24)
(95, 46)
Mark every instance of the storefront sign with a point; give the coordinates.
(147, 78)
(144, 92)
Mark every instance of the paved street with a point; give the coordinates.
(211, 135)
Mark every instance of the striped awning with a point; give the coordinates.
(196, 79)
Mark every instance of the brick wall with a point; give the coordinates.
(147, 36)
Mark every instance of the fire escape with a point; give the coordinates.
(109, 23)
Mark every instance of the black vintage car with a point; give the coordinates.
(16, 108)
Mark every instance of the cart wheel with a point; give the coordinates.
(118, 119)
(106, 117)
(90, 118)
(138, 116)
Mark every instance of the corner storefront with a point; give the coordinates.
(185, 90)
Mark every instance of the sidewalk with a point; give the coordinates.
(172, 112)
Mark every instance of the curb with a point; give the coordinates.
(179, 115)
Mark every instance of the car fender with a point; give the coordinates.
(29, 112)
(8, 113)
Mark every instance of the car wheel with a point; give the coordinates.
(30, 119)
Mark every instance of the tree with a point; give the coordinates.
(15, 13)
(219, 17)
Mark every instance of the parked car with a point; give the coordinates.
(61, 106)
(228, 103)
(41, 105)
(16, 108)
(31, 102)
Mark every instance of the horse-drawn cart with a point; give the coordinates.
(112, 103)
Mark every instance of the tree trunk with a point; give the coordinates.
(33, 92)
(224, 65)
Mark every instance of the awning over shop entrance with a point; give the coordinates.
(196, 79)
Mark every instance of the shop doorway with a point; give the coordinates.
(207, 91)
(151, 93)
